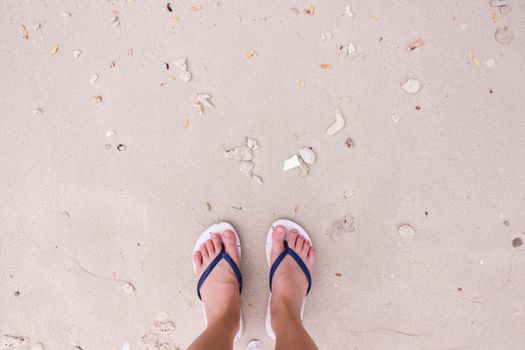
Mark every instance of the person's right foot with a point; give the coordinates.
(289, 283)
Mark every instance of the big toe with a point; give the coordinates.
(230, 245)
(278, 236)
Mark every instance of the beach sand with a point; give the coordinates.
(109, 173)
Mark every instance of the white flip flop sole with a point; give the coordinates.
(289, 225)
(217, 228)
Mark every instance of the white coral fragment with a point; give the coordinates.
(337, 125)
(411, 86)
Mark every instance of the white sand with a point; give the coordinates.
(72, 210)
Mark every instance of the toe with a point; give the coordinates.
(293, 238)
(278, 236)
(216, 240)
(306, 248)
(230, 245)
(211, 249)
(204, 252)
(197, 259)
(299, 244)
(310, 260)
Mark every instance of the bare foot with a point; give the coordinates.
(289, 283)
(220, 291)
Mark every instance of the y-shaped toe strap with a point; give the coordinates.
(211, 266)
(298, 260)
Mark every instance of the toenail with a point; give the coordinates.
(227, 234)
(214, 235)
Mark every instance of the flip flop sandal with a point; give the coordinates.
(289, 225)
(218, 228)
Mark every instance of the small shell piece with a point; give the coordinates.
(504, 35)
(204, 99)
(128, 288)
(416, 44)
(250, 54)
(181, 63)
(185, 76)
(126, 346)
(291, 163)
(246, 167)
(337, 125)
(77, 54)
(348, 11)
(498, 3)
(411, 86)
(406, 231)
(37, 346)
(251, 143)
(239, 153)
(54, 49)
(307, 155)
(25, 33)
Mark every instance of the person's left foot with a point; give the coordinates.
(220, 291)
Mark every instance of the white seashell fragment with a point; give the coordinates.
(239, 153)
(348, 194)
(411, 86)
(491, 62)
(406, 231)
(38, 111)
(181, 63)
(327, 36)
(110, 133)
(37, 346)
(498, 3)
(93, 78)
(291, 163)
(395, 118)
(251, 143)
(254, 345)
(504, 35)
(66, 14)
(307, 155)
(128, 288)
(257, 179)
(126, 346)
(337, 125)
(115, 21)
(204, 99)
(77, 54)
(185, 76)
(246, 167)
(348, 11)
(164, 326)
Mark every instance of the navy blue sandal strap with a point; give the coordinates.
(298, 260)
(211, 266)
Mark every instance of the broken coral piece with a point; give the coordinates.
(181, 63)
(348, 11)
(201, 101)
(251, 143)
(239, 153)
(257, 179)
(246, 167)
(411, 86)
(337, 125)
